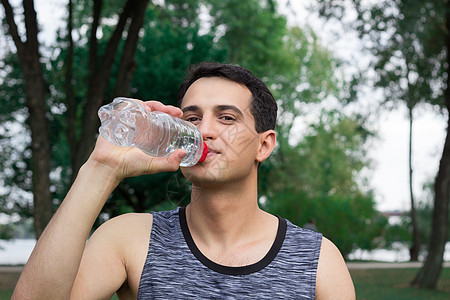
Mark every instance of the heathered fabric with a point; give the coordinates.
(175, 268)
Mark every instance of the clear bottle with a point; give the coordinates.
(125, 122)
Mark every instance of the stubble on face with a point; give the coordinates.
(233, 142)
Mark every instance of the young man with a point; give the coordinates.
(220, 246)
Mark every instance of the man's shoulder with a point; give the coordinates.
(124, 229)
(115, 252)
(303, 232)
(333, 277)
(125, 221)
(137, 225)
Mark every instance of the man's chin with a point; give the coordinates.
(200, 177)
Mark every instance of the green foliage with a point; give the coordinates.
(320, 178)
(168, 47)
(12, 93)
(311, 78)
(406, 39)
(401, 231)
(405, 70)
(170, 43)
(14, 143)
(252, 32)
(336, 217)
(5, 232)
(408, 42)
(330, 156)
(316, 176)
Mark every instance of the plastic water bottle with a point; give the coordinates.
(125, 122)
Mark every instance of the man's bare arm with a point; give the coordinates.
(53, 265)
(113, 258)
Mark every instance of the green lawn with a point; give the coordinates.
(380, 284)
(4, 295)
(393, 284)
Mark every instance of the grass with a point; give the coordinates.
(5, 294)
(394, 284)
(379, 284)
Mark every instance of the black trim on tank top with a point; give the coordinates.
(243, 270)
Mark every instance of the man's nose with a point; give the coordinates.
(208, 128)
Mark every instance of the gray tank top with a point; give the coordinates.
(176, 269)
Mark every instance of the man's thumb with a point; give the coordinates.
(177, 157)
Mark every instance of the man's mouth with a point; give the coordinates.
(212, 152)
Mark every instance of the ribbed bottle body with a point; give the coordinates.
(125, 122)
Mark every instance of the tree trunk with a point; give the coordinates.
(127, 63)
(70, 101)
(429, 274)
(97, 86)
(28, 53)
(415, 247)
(93, 43)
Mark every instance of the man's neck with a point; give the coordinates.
(223, 220)
(221, 215)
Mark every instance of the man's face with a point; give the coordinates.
(220, 109)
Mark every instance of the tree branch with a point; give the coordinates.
(70, 102)
(9, 14)
(31, 26)
(93, 43)
(97, 85)
(127, 63)
(113, 44)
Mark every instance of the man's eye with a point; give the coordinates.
(228, 118)
(192, 119)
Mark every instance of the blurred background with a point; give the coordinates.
(363, 94)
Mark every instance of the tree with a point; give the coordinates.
(100, 69)
(320, 178)
(429, 273)
(318, 174)
(412, 60)
(291, 61)
(85, 68)
(35, 87)
(29, 58)
(170, 43)
(252, 32)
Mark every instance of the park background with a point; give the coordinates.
(343, 74)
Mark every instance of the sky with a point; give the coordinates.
(388, 175)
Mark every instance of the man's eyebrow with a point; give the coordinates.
(193, 108)
(229, 107)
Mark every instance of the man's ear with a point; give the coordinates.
(268, 140)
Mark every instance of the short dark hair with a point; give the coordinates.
(262, 106)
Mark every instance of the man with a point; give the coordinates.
(220, 246)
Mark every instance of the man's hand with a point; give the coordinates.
(128, 161)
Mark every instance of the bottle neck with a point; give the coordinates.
(204, 153)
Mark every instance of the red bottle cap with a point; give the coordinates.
(205, 152)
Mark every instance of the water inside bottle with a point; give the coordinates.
(126, 123)
(119, 122)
